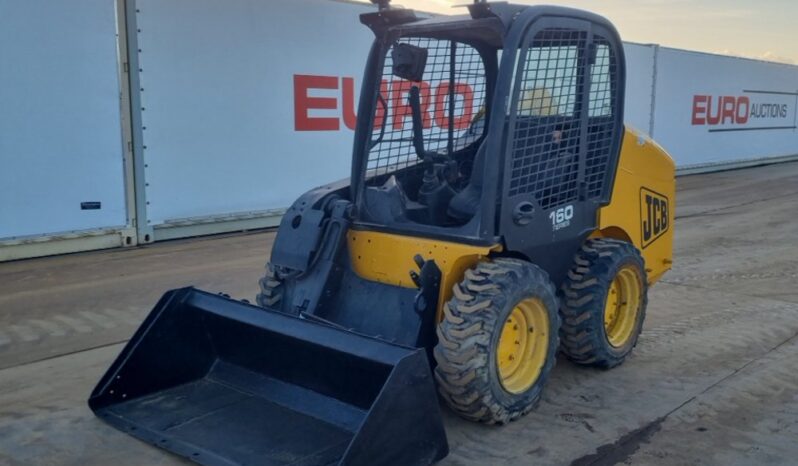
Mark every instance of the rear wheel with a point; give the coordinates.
(497, 341)
(605, 303)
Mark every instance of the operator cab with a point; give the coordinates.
(436, 86)
(436, 154)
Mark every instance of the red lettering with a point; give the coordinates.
(728, 110)
(713, 119)
(348, 97)
(303, 103)
(401, 109)
(742, 114)
(461, 121)
(699, 109)
(394, 93)
(729, 105)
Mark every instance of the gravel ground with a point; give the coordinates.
(713, 380)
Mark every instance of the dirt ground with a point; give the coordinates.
(713, 381)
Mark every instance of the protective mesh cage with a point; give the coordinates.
(545, 156)
(546, 153)
(392, 147)
(601, 118)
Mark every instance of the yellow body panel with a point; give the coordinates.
(388, 258)
(640, 211)
(642, 206)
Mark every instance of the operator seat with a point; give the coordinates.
(554, 159)
(465, 204)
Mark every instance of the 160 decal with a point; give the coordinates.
(561, 217)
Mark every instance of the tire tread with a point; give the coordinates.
(464, 338)
(582, 337)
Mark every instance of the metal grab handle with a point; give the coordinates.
(523, 213)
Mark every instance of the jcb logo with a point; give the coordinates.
(653, 215)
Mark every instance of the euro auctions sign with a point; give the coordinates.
(714, 109)
(750, 110)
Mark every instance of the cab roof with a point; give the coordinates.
(488, 21)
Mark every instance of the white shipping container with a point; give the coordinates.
(713, 109)
(221, 82)
(61, 160)
(245, 104)
(639, 85)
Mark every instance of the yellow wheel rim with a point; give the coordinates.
(622, 307)
(523, 345)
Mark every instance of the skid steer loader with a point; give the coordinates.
(498, 211)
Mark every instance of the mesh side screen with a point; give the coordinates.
(545, 155)
(394, 150)
(601, 122)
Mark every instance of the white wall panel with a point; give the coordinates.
(639, 85)
(221, 106)
(218, 80)
(219, 100)
(757, 101)
(60, 130)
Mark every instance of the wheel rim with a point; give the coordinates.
(523, 345)
(621, 307)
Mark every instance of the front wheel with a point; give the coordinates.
(498, 340)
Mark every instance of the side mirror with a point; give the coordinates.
(409, 61)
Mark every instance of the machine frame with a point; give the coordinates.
(336, 364)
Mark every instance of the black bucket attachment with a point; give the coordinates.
(223, 382)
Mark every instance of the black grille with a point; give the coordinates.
(548, 128)
(545, 155)
(601, 118)
(393, 150)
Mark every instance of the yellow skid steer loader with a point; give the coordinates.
(497, 211)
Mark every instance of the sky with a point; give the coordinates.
(763, 29)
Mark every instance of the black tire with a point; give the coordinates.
(271, 289)
(467, 372)
(583, 336)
